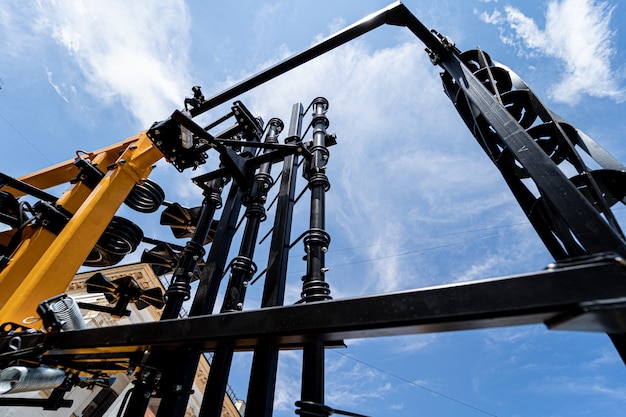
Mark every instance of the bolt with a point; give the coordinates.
(239, 306)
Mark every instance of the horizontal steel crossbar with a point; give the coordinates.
(539, 297)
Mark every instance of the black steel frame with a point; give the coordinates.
(585, 290)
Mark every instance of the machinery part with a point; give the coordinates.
(99, 258)
(16, 379)
(88, 174)
(264, 368)
(501, 125)
(611, 183)
(60, 313)
(166, 136)
(162, 258)
(51, 216)
(121, 292)
(9, 328)
(45, 266)
(314, 287)
(120, 238)
(183, 221)
(25, 188)
(9, 210)
(145, 197)
(529, 143)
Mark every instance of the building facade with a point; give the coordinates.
(106, 401)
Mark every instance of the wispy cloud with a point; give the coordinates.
(595, 386)
(125, 51)
(288, 381)
(351, 384)
(56, 87)
(579, 34)
(403, 155)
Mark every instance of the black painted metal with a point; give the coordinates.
(178, 292)
(262, 385)
(179, 289)
(538, 297)
(178, 381)
(526, 143)
(525, 140)
(242, 271)
(316, 242)
(33, 402)
(26, 188)
(386, 15)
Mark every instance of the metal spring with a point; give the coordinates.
(21, 379)
(66, 310)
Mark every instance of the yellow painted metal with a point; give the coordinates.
(36, 240)
(44, 264)
(65, 171)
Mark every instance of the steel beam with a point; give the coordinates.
(541, 297)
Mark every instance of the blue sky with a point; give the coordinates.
(414, 201)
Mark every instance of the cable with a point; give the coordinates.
(412, 252)
(447, 397)
(408, 252)
(25, 138)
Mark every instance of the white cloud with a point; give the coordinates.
(411, 344)
(396, 407)
(576, 32)
(402, 160)
(126, 51)
(288, 380)
(596, 386)
(56, 87)
(350, 383)
(401, 164)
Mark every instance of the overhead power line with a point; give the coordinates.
(420, 386)
(25, 138)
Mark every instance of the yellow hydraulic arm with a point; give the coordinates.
(44, 263)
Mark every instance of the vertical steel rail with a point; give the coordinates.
(243, 269)
(316, 241)
(211, 276)
(262, 385)
(178, 292)
(178, 382)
